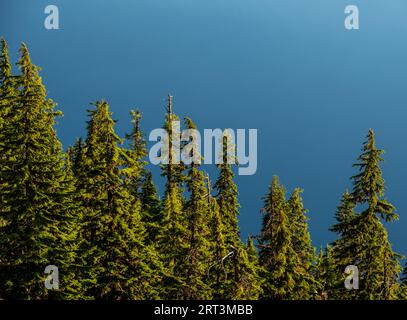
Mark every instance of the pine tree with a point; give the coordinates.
(305, 286)
(112, 231)
(377, 263)
(277, 255)
(35, 196)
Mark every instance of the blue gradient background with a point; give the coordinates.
(286, 67)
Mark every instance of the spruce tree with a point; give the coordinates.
(226, 197)
(76, 158)
(134, 156)
(198, 252)
(277, 255)
(8, 96)
(238, 270)
(139, 179)
(172, 239)
(378, 265)
(8, 90)
(344, 248)
(116, 260)
(36, 203)
(150, 207)
(305, 286)
(249, 284)
(217, 274)
(325, 272)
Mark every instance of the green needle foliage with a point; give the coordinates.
(277, 254)
(196, 209)
(326, 272)
(363, 239)
(217, 274)
(150, 207)
(378, 264)
(172, 239)
(95, 213)
(305, 286)
(238, 270)
(37, 208)
(112, 232)
(249, 284)
(343, 249)
(8, 88)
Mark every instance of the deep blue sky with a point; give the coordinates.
(286, 67)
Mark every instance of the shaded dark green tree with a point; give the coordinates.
(150, 207)
(403, 285)
(76, 158)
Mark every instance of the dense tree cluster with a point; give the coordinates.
(94, 212)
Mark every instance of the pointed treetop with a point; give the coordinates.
(5, 65)
(135, 117)
(169, 106)
(25, 54)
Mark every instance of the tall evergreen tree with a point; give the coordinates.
(150, 207)
(277, 255)
(305, 286)
(249, 284)
(377, 263)
(172, 239)
(134, 156)
(344, 248)
(76, 158)
(326, 272)
(8, 90)
(112, 232)
(196, 209)
(217, 274)
(36, 203)
(139, 179)
(226, 196)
